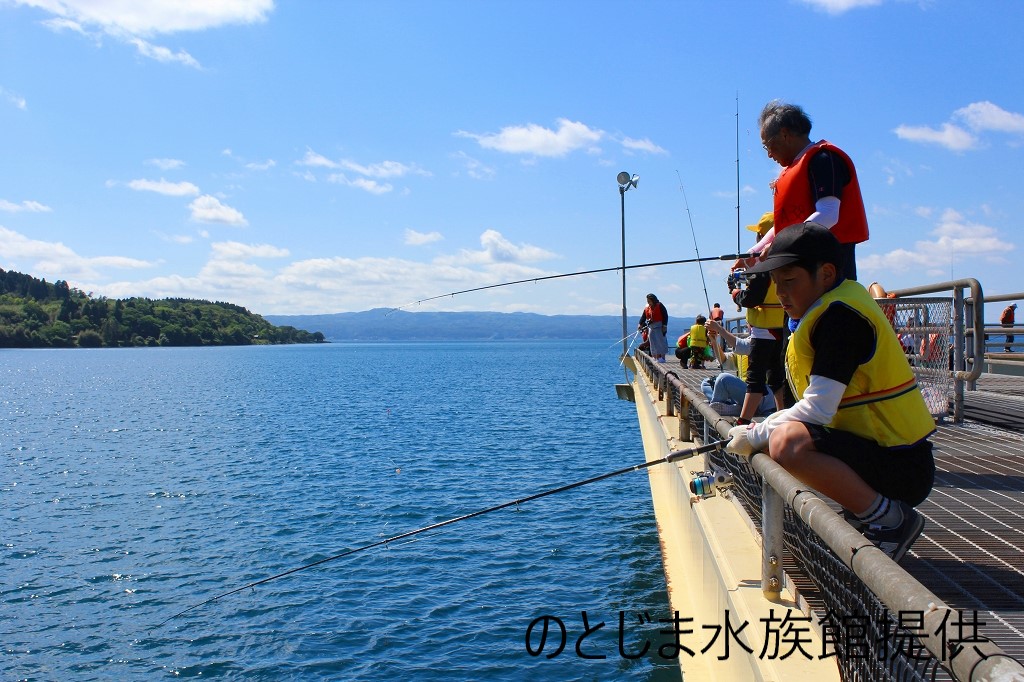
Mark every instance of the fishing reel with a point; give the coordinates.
(737, 281)
(709, 483)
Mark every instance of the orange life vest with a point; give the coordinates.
(794, 200)
(931, 349)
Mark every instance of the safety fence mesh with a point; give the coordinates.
(867, 639)
(867, 643)
(864, 637)
(924, 326)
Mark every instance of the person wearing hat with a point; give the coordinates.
(655, 320)
(1007, 320)
(766, 320)
(859, 430)
(818, 182)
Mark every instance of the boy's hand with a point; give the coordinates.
(738, 442)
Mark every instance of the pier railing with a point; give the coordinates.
(995, 337)
(863, 591)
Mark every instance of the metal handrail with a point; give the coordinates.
(976, 305)
(893, 585)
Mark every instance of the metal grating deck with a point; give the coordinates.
(971, 554)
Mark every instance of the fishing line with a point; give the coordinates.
(670, 457)
(728, 256)
(627, 336)
(695, 249)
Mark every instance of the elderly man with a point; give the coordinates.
(818, 182)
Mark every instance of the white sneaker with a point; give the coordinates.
(726, 409)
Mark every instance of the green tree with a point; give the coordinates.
(90, 339)
(34, 312)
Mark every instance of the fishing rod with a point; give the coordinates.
(628, 336)
(728, 256)
(737, 170)
(695, 249)
(670, 457)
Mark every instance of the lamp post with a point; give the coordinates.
(625, 182)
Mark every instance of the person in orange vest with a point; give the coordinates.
(683, 349)
(655, 320)
(718, 315)
(818, 183)
(1007, 320)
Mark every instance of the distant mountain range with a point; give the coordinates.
(386, 324)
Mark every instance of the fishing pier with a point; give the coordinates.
(749, 543)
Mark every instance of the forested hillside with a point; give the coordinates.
(37, 314)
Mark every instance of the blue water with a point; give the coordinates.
(138, 482)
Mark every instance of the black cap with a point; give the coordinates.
(804, 242)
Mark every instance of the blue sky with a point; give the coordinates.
(328, 156)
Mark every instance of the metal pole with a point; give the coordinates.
(622, 200)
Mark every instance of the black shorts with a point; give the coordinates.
(901, 473)
(765, 366)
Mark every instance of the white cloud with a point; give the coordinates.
(371, 186)
(987, 116)
(208, 209)
(247, 275)
(58, 25)
(894, 170)
(132, 22)
(161, 186)
(54, 260)
(174, 238)
(955, 239)
(474, 167)
(16, 100)
(497, 249)
(163, 54)
(644, 145)
(316, 160)
(949, 136)
(238, 251)
(540, 141)
(414, 238)
(261, 166)
(979, 117)
(154, 17)
(166, 164)
(840, 6)
(384, 169)
(369, 172)
(25, 206)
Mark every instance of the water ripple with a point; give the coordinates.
(137, 483)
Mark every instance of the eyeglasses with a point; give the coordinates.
(767, 143)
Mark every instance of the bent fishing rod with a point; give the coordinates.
(670, 457)
(728, 256)
(696, 250)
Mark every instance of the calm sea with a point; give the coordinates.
(138, 482)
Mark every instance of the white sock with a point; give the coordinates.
(882, 512)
